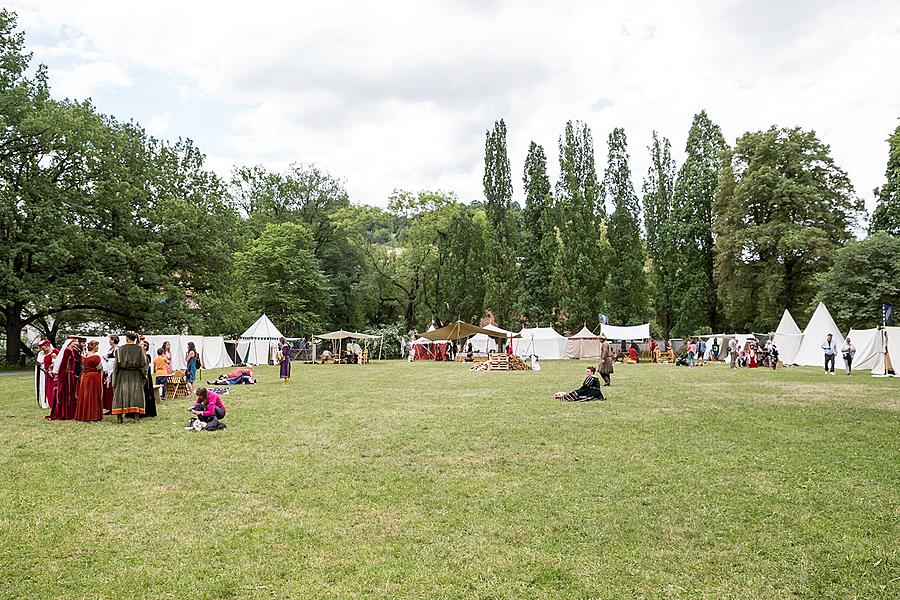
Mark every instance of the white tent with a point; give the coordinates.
(544, 342)
(483, 344)
(723, 350)
(890, 341)
(787, 338)
(869, 345)
(214, 355)
(256, 346)
(633, 332)
(583, 344)
(810, 353)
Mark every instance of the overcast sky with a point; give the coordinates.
(398, 95)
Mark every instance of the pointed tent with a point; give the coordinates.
(583, 344)
(255, 345)
(543, 342)
(820, 325)
(787, 338)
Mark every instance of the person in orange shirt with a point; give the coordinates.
(161, 367)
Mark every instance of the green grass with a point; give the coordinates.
(429, 480)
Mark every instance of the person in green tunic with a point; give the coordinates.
(128, 378)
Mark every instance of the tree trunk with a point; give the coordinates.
(12, 314)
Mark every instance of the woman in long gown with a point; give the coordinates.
(192, 360)
(107, 373)
(285, 360)
(65, 368)
(129, 375)
(50, 354)
(149, 398)
(90, 386)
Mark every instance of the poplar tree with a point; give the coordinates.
(626, 296)
(578, 274)
(658, 191)
(501, 270)
(887, 208)
(692, 220)
(538, 221)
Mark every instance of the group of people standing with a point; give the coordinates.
(76, 382)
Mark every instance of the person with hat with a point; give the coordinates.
(607, 357)
(43, 375)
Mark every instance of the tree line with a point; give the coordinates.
(104, 226)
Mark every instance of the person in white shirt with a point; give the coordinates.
(849, 350)
(830, 348)
(733, 350)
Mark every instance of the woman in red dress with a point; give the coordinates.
(65, 369)
(90, 393)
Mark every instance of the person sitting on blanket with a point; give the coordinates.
(235, 377)
(207, 411)
(589, 390)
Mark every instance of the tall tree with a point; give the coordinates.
(783, 208)
(659, 186)
(502, 270)
(887, 208)
(537, 304)
(692, 227)
(626, 292)
(579, 273)
(865, 275)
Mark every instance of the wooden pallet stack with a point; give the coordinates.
(498, 361)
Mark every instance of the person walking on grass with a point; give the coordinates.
(606, 361)
(849, 351)
(829, 346)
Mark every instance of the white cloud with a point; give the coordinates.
(399, 94)
(159, 124)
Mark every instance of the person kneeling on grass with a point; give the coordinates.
(208, 411)
(589, 390)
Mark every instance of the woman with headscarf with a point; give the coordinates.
(285, 353)
(66, 369)
(128, 377)
(43, 367)
(89, 406)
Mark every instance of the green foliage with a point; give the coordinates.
(691, 227)
(626, 290)
(658, 190)
(887, 210)
(501, 273)
(865, 275)
(282, 278)
(537, 260)
(783, 208)
(579, 266)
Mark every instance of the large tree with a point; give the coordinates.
(659, 185)
(537, 303)
(865, 275)
(579, 273)
(783, 208)
(501, 268)
(626, 291)
(692, 228)
(887, 208)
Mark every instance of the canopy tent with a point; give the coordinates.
(543, 342)
(633, 332)
(810, 352)
(787, 338)
(257, 344)
(427, 349)
(482, 344)
(459, 330)
(337, 338)
(583, 344)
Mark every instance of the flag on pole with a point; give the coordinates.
(886, 312)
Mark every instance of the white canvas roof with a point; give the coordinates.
(820, 325)
(787, 338)
(583, 344)
(633, 332)
(543, 342)
(262, 329)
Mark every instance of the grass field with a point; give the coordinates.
(431, 481)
